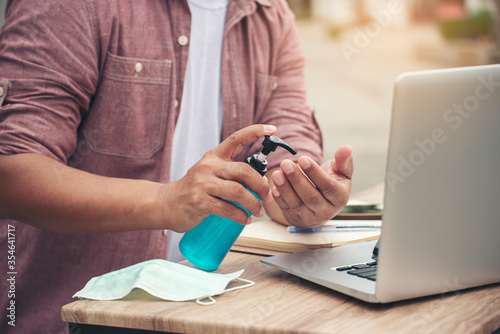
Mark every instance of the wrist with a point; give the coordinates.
(167, 211)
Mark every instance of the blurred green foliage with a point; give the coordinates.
(479, 24)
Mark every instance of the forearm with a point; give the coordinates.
(46, 194)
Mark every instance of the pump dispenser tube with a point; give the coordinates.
(206, 245)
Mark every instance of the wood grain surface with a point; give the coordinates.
(282, 303)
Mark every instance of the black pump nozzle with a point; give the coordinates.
(270, 143)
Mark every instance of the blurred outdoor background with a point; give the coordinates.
(355, 50)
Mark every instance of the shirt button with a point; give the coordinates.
(164, 232)
(182, 40)
(2, 91)
(138, 67)
(275, 86)
(176, 103)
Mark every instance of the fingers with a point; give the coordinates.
(308, 194)
(235, 143)
(292, 206)
(228, 210)
(243, 173)
(295, 193)
(238, 194)
(332, 188)
(343, 164)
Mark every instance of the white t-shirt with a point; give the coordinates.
(199, 125)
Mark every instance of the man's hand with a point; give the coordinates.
(213, 181)
(309, 195)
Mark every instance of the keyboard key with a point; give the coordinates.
(366, 275)
(367, 270)
(344, 268)
(361, 271)
(360, 266)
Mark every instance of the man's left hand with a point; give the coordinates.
(309, 194)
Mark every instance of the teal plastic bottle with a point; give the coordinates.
(207, 244)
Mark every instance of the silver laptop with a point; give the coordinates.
(441, 220)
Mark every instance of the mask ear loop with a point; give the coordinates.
(213, 301)
(250, 283)
(199, 301)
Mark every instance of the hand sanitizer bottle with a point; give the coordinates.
(208, 243)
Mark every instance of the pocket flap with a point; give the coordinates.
(137, 69)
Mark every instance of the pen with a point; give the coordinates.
(333, 228)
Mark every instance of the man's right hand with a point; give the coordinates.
(213, 181)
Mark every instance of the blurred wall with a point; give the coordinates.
(474, 5)
(350, 12)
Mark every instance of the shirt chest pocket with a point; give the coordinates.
(128, 115)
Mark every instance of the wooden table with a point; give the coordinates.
(282, 303)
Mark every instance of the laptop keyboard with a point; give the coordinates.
(364, 270)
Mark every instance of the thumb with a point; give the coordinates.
(344, 164)
(235, 143)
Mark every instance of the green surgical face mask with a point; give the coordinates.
(163, 279)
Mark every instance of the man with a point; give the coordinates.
(110, 121)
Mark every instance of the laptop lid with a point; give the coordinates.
(441, 223)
